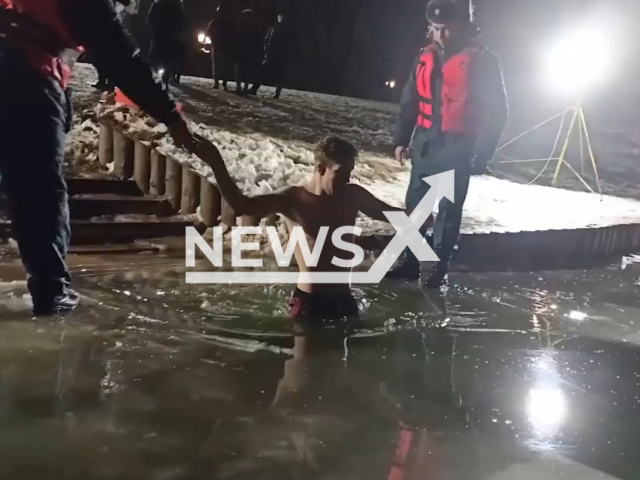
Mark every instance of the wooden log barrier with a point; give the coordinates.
(123, 155)
(105, 144)
(249, 221)
(173, 183)
(142, 166)
(158, 172)
(190, 192)
(210, 203)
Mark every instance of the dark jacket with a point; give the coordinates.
(249, 41)
(222, 31)
(166, 18)
(95, 25)
(488, 94)
(277, 43)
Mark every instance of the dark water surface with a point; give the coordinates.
(508, 376)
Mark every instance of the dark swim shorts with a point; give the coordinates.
(322, 307)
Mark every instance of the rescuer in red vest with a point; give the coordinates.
(452, 113)
(34, 38)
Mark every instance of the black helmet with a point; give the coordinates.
(444, 11)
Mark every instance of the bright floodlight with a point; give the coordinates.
(201, 37)
(390, 83)
(207, 40)
(578, 61)
(546, 408)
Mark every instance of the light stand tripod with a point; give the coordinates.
(579, 118)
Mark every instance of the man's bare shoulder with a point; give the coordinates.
(287, 191)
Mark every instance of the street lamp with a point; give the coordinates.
(204, 39)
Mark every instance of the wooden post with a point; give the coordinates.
(249, 221)
(123, 155)
(210, 203)
(158, 172)
(190, 192)
(173, 183)
(105, 148)
(142, 166)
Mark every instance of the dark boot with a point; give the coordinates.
(407, 269)
(439, 276)
(216, 85)
(253, 91)
(61, 304)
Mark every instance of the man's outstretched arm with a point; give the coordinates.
(370, 205)
(260, 206)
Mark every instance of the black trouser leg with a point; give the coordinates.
(154, 53)
(31, 166)
(261, 78)
(446, 228)
(435, 153)
(213, 69)
(278, 76)
(239, 76)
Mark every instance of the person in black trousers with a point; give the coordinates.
(166, 19)
(34, 114)
(222, 31)
(276, 51)
(103, 82)
(249, 50)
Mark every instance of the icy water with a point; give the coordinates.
(508, 376)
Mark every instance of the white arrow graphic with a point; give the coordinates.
(442, 185)
(408, 235)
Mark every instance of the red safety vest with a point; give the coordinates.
(44, 14)
(457, 114)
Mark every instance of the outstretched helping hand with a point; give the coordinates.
(206, 150)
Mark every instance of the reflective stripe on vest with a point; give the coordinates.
(456, 114)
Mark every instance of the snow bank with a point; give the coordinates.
(81, 148)
(257, 163)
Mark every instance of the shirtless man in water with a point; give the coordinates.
(328, 200)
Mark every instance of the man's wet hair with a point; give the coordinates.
(335, 150)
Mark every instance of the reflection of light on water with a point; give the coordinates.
(577, 316)
(544, 364)
(546, 408)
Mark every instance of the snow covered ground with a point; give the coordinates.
(268, 144)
